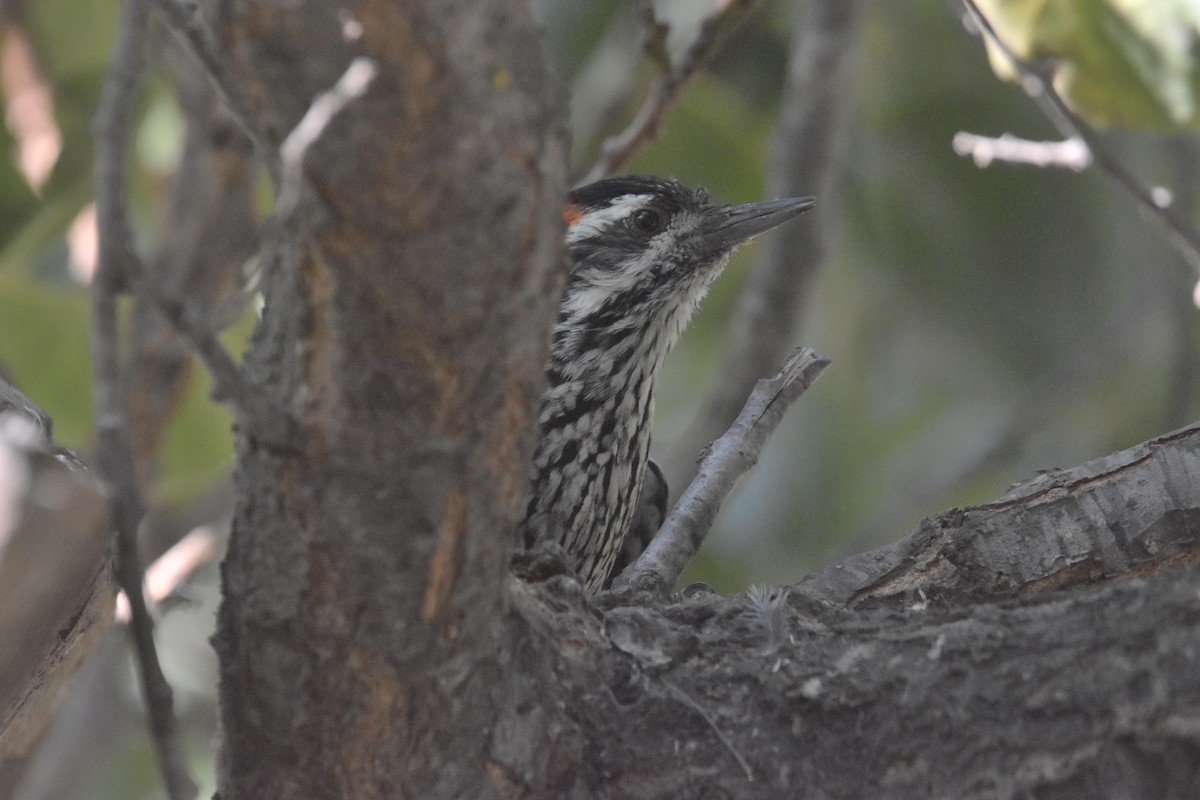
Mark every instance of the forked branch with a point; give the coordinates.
(114, 447)
(619, 148)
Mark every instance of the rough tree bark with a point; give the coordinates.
(1043, 645)
(372, 642)
(409, 299)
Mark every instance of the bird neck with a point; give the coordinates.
(605, 337)
(594, 437)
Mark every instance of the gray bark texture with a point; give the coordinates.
(409, 298)
(1041, 646)
(372, 640)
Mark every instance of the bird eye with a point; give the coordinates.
(647, 221)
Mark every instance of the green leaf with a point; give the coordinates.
(1126, 63)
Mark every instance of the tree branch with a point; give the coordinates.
(803, 156)
(1041, 645)
(114, 448)
(727, 460)
(1182, 236)
(267, 423)
(169, 571)
(324, 108)
(209, 231)
(616, 150)
(229, 386)
(184, 20)
(1128, 512)
(1070, 153)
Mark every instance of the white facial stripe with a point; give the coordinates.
(599, 286)
(592, 222)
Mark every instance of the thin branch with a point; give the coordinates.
(726, 460)
(184, 20)
(187, 318)
(619, 148)
(29, 101)
(269, 424)
(1183, 237)
(325, 107)
(1070, 153)
(266, 422)
(804, 153)
(228, 383)
(207, 234)
(114, 450)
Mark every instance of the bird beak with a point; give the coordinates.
(735, 224)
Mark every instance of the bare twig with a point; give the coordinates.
(249, 408)
(804, 152)
(619, 148)
(1070, 153)
(228, 383)
(1183, 237)
(208, 232)
(114, 450)
(325, 107)
(726, 460)
(184, 20)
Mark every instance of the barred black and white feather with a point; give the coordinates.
(643, 253)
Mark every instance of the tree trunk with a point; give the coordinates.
(409, 299)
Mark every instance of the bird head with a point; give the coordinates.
(645, 249)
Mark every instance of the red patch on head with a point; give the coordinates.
(572, 213)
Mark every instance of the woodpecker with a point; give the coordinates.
(643, 252)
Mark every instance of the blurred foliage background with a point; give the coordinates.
(983, 323)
